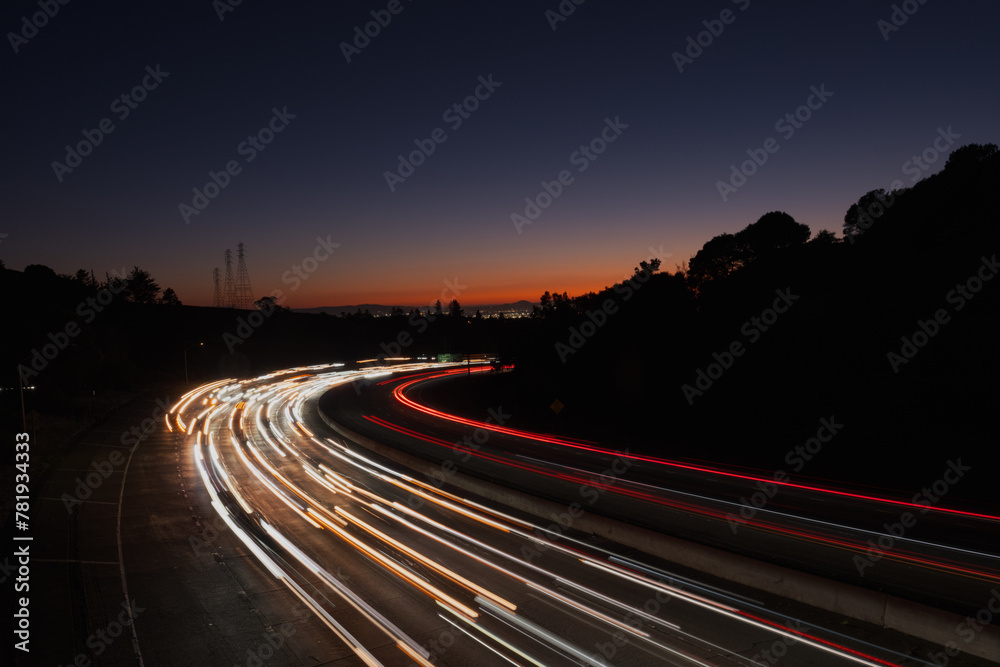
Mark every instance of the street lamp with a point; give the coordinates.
(186, 381)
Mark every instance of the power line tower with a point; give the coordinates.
(244, 293)
(217, 279)
(229, 298)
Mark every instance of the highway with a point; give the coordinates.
(914, 544)
(404, 570)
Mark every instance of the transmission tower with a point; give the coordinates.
(229, 297)
(243, 292)
(217, 279)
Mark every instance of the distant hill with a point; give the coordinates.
(379, 310)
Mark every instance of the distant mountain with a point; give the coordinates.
(521, 307)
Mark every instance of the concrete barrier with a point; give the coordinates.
(886, 611)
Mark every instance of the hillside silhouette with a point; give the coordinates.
(672, 363)
(848, 304)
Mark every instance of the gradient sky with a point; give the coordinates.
(323, 175)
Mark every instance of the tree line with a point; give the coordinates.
(761, 242)
(137, 286)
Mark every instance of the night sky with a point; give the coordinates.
(887, 95)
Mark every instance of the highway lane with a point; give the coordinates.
(123, 508)
(929, 550)
(402, 571)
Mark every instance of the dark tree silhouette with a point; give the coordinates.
(454, 308)
(141, 287)
(270, 304)
(545, 301)
(970, 156)
(824, 237)
(872, 206)
(772, 231)
(650, 267)
(727, 253)
(114, 282)
(86, 277)
(169, 297)
(718, 258)
(39, 273)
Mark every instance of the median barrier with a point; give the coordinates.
(886, 611)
